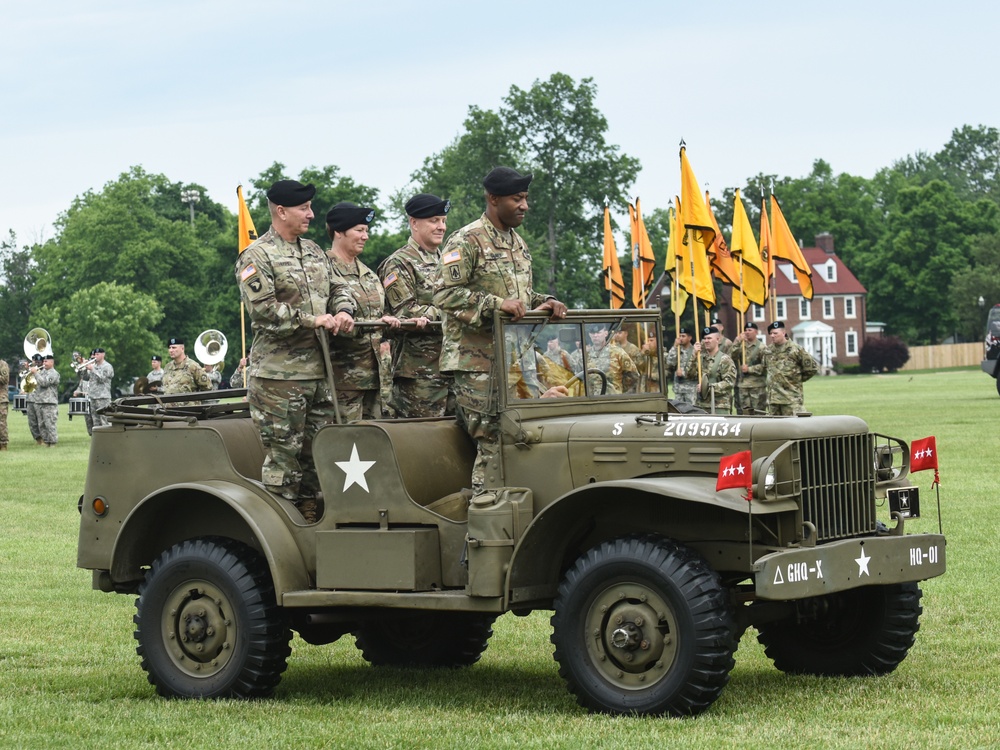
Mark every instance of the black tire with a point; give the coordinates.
(860, 632)
(425, 639)
(643, 625)
(207, 623)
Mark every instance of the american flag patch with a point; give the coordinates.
(247, 272)
(452, 256)
(390, 279)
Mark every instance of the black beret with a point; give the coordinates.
(290, 193)
(37, 358)
(97, 350)
(345, 215)
(707, 331)
(748, 326)
(715, 319)
(175, 342)
(776, 324)
(157, 358)
(506, 181)
(49, 356)
(425, 205)
(684, 331)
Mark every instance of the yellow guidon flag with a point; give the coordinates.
(246, 233)
(678, 297)
(643, 262)
(753, 286)
(611, 271)
(698, 238)
(784, 246)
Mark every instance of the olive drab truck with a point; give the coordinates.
(991, 346)
(600, 507)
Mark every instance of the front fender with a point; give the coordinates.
(577, 520)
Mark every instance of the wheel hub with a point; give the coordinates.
(198, 629)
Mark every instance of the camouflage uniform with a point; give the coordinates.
(719, 375)
(4, 382)
(419, 389)
(648, 365)
(155, 378)
(355, 355)
(787, 366)
(285, 286)
(480, 268)
(751, 388)
(99, 391)
(685, 390)
(622, 374)
(726, 346)
(83, 391)
(186, 376)
(43, 407)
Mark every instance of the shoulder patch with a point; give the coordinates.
(247, 272)
(452, 256)
(390, 279)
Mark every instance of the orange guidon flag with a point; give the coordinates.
(723, 267)
(678, 297)
(784, 246)
(643, 263)
(246, 232)
(699, 235)
(744, 246)
(765, 243)
(612, 272)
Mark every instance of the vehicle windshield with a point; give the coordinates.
(581, 358)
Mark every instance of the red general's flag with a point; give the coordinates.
(246, 232)
(734, 472)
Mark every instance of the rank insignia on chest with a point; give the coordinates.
(389, 280)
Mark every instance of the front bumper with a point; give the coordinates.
(847, 564)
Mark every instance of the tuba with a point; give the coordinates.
(210, 347)
(39, 342)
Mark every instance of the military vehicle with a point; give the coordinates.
(991, 346)
(601, 507)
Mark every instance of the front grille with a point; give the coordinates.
(838, 485)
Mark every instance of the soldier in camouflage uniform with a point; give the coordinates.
(289, 289)
(751, 389)
(718, 373)
(43, 404)
(155, 378)
(182, 374)
(410, 275)
(685, 390)
(355, 358)
(648, 365)
(786, 366)
(485, 266)
(4, 400)
(609, 358)
(725, 344)
(100, 373)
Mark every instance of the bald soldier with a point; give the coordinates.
(485, 266)
(290, 291)
(410, 276)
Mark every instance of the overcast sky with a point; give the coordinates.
(214, 92)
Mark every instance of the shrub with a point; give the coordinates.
(887, 353)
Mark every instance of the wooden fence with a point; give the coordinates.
(944, 355)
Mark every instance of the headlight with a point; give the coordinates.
(769, 478)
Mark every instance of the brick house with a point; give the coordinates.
(832, 325)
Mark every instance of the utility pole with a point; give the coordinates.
(190, 197)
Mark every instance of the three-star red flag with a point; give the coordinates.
(734, 472)
(923, 454)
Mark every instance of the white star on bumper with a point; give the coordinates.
(863, 564)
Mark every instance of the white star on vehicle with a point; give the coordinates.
(354, 470)
(863, 564)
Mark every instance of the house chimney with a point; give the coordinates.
(824, 241)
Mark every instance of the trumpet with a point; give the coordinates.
(78, 367)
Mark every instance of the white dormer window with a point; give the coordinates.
(830, 272)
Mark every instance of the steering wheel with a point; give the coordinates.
(578, 376)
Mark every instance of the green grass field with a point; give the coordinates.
(71, 677)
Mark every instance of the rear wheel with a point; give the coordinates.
(863, 631)
(207, 622)
(643, 626)
(425, 639)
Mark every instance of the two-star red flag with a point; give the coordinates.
(923, 456)
(246, 232)
(734, 472)
(612, 271)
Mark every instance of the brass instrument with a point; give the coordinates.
(37, 342)
(210, 347)
(80, 366)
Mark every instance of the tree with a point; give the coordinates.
(970, 163)
(554, 131)
(17, 274)
(979, 279)
(113, 316)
